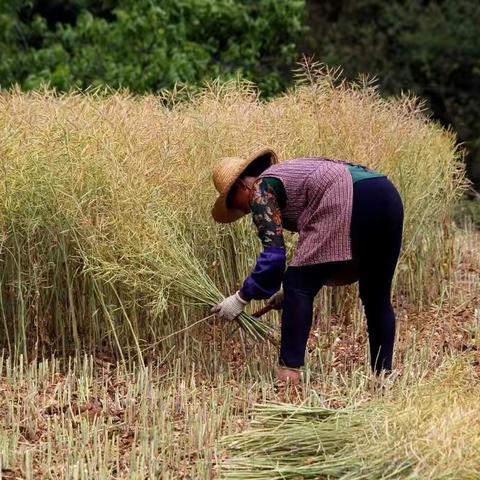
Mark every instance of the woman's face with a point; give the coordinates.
(239, 197)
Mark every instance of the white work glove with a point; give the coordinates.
(230, 308)
(276, 300)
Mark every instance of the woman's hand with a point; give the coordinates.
(230, 308)
(276, 300)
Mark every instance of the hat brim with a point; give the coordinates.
(220, 211)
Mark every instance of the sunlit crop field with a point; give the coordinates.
(112, 366)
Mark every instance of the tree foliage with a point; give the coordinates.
(431, 47)
(148, 44)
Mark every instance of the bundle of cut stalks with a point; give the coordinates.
(174, 270)
(291, 442)
(416, 431)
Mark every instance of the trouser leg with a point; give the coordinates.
(377, 236)
(380, 324)
(296, 324)
(377, 269)
(300, 285)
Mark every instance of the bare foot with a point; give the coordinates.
(288, 376)
(288, 385)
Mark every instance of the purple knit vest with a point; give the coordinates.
(318, 207)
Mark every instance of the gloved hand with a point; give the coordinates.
(276, 300)
(230, 308)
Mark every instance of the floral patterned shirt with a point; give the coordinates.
(267, 199)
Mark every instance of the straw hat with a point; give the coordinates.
(225, 174)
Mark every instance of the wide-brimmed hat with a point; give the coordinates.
(226, 173)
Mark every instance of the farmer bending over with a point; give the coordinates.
(349, 220)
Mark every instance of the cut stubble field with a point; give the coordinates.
(221, 416)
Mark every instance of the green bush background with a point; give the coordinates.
(429, 47)
(147, 45)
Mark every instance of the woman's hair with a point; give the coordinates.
(258, 166)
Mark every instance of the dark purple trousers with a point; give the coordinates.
(376, 233)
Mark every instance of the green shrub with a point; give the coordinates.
(149, 45)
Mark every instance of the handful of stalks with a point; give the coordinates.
(189, 278)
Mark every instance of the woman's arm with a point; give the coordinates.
(267, 275)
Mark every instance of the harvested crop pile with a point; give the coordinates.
(428, 431)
